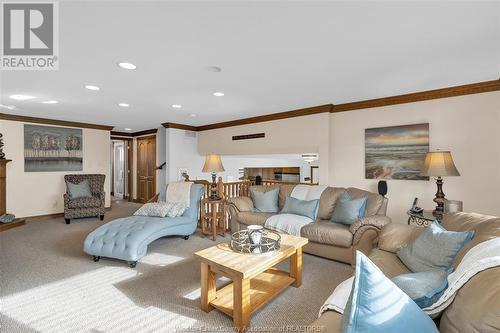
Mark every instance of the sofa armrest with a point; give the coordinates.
(241, 204)
(377, 221)
(66, 199)
(396, 235)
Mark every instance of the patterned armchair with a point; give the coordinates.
(87, 206)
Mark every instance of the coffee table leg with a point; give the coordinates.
(208, 288)
(296, 267)
(241, 303)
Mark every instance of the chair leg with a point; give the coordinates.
(67, 221)
(132, 264)
(96, 258)
(101, 217)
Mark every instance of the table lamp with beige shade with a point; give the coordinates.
(439, 164)
(213, 164)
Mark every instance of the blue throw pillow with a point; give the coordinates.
(265, 202)
(377, 305)
(80, 190)
(349, 210)
(424, 288)
(435, 248)
(308, 208)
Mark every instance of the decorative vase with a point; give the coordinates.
(255, 233)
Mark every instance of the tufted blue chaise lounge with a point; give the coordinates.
(128, 238)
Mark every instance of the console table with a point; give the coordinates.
(3, 198)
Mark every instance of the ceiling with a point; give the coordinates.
(275, 56)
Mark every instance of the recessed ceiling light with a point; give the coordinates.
(127, 129)
(91, 87)
(176, 106)
(192, 115)
(9, 107)
(127, 65)
(20, 97)
(50, 102)
(218, 93)
(125, 105)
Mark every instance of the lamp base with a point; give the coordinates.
(439, 199)
(213, 189)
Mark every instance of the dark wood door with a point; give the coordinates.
(146, 168)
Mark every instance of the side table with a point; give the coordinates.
(422, 219)
(213, 217)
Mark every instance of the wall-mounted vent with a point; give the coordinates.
(249, 136)
(190, 134)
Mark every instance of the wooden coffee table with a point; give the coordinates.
(255, 280)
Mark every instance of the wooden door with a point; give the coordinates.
(146, 168)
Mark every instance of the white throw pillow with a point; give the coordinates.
(176, 209)
(154, 209)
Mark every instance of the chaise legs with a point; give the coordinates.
(132, 264)
(186, 237)
(96, 258)
(67, 221)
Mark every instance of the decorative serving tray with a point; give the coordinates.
(241, 242)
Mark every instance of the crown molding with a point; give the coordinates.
(134, 134)
(466, 89)
(180, 126)
(125, 134)
(269, 117)
(46, 121)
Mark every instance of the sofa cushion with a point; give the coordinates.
(249, 218)
(327, 232)
(368, 310)
(265, 202)
(327, 202)
(84, 202)
(307, 208)
(476, 305)
(434, 248)
(285, 191)
(374, 202)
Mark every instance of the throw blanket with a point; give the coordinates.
(179, 192)
(290, 223)
(307, 192)
(287, 223)
(479, 258)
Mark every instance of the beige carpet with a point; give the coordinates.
(47, 284)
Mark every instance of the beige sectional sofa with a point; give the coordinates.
(326, 239)
(476, 307)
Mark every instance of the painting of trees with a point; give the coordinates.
(48, 148)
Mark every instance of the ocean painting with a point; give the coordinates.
(396, 152)
(49, 148)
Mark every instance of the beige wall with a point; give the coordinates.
(469, 126)
(41, 193)
(308, 134)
